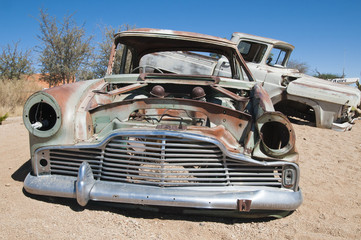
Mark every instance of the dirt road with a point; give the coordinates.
(330, 180)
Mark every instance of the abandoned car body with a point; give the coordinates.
(328, 104)
(143, 136)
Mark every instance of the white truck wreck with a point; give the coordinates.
(327, 104)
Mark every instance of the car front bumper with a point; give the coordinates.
(237, 198)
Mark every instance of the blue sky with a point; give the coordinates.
(326, 34)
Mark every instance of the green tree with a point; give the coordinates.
(328, 75)
(14, 62)
(65, 49)
(358, 85)
(3, 117)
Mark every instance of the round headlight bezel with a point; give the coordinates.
(42, 100)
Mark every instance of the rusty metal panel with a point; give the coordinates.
(236, 122)
(325, 91)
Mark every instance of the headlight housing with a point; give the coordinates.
(42, 115)
(276, 134)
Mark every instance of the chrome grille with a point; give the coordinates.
(163, 161)
(67, 161)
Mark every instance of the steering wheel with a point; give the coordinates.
(146, 66)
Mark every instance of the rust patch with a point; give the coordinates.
(244, 205)
(127, 89)
(63, 93)
(221, 134)
(229, 94)
(111, 60)
(179, 78)
(171, 127)
(161, 32)
(248, 150)
(262, 95)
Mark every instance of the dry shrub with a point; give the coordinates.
(13, 94)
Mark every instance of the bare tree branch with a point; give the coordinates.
(65, 49)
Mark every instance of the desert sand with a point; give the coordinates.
(330, 164)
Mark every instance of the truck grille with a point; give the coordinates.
(163, 161)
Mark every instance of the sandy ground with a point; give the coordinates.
(330, 180)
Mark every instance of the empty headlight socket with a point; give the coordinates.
(276, 134)
(42, 115)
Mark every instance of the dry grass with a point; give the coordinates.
(14, 93)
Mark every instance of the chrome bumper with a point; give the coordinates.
(85, 188)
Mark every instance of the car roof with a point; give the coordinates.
(148, 39)
(263, 39)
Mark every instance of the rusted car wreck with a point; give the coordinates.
(144, 136)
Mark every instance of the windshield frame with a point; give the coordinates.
(284, 60)
(140, 45)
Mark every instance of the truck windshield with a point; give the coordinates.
(251, 51)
